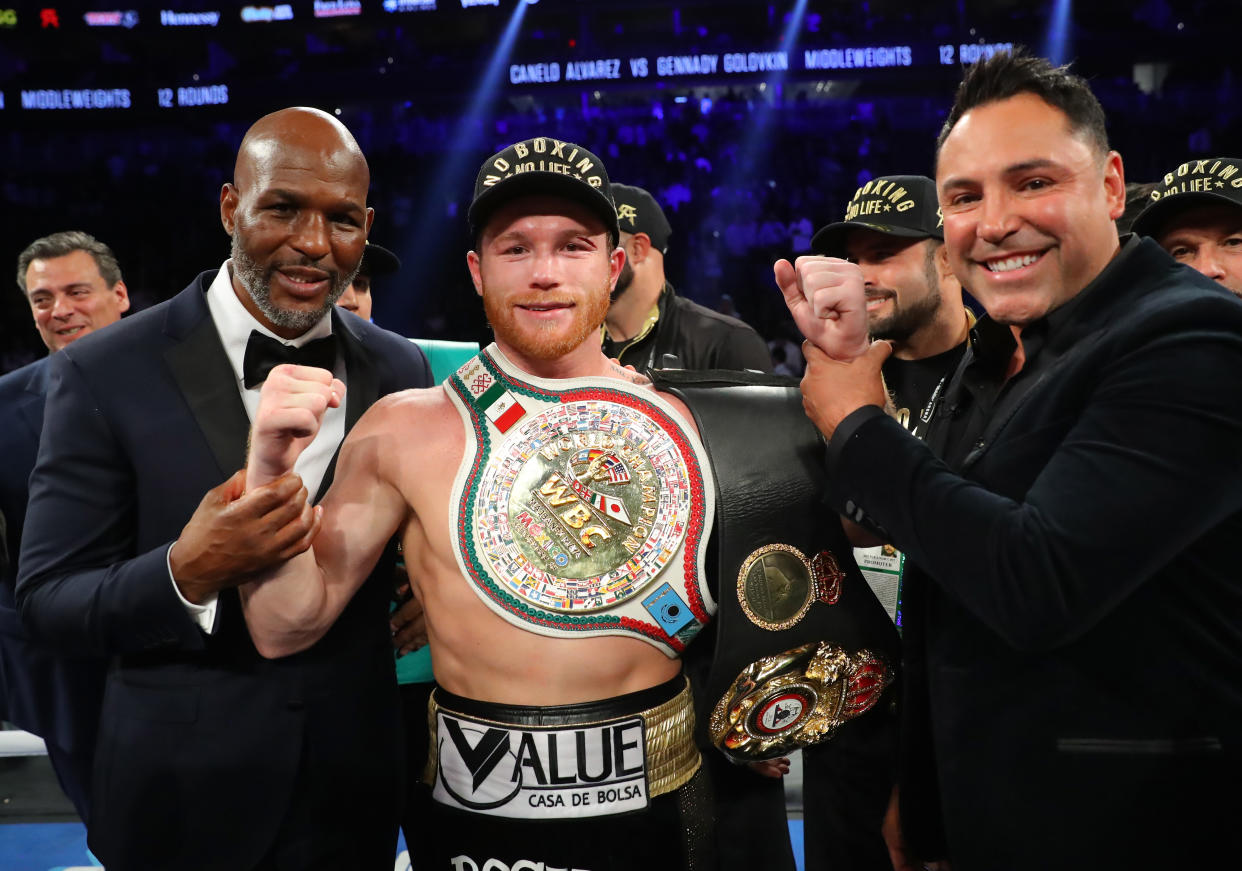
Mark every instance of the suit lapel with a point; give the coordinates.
(361, 383)
(207, 381)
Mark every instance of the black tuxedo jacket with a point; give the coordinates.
(1073, 604)
(202, 742)
(52, 696)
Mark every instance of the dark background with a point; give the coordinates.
(747, 164)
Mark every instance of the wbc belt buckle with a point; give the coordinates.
(777, 585)
(795, 699)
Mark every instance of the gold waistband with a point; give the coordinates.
(672, 757)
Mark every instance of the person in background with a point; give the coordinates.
(376, 261)
(892, 229)
(648, 325)
(1195, 213)
(74, 286)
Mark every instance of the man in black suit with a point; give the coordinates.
(74, 286)
(1073, 623)
(209, 756)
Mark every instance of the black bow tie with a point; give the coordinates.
(263, 354)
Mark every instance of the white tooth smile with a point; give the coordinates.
(1011, 263)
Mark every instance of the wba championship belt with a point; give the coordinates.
(802, 644)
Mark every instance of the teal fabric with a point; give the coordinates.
(445, 359)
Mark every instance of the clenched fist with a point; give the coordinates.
(291, 408)
(825, 295)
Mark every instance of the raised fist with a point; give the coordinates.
(826, 298)
(291, 408)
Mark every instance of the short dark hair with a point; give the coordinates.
(64, 243)
(1008, 74)
(1138, 196)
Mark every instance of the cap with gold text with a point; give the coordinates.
(896, 205)
(542, 165)
(638, 212)
(1214, 181)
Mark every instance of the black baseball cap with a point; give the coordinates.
(378, 260)
(1214, 181)
(638, 212)
(542, 165)
(896, 205)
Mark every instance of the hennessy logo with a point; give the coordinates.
(626, 212)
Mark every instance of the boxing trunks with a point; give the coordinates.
(603, 785)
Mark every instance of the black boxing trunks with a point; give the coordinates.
(597, 786)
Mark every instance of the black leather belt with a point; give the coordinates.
(802, 644)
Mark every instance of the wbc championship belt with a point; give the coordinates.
(802, 644)
(582, 506)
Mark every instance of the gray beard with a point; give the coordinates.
(257, 282)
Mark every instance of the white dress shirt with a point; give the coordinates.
(234, 324)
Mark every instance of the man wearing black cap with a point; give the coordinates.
(647, 320)
(514, 646)
(376, 260)
(893, 231)
(555, 512)
(1196, 215)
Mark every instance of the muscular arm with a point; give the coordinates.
(291, 607)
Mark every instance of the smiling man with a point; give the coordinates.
(511, 647)
(73, 284)
(138, 534)
(1075, 547)
(555, 513)
(893, 230)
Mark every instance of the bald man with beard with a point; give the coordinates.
(138, 534)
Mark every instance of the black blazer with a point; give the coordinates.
(202, 741)
(1073, 608)
(52, 696)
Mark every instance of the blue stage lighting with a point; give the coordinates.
(1057, 42)
(455, 178)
